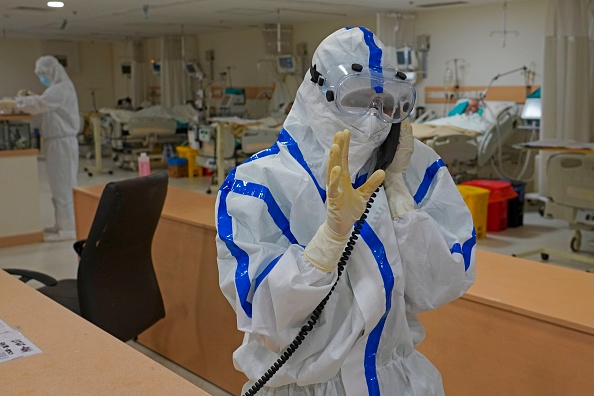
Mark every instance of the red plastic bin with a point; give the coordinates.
(501, 193)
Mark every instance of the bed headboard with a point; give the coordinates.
(513, 93)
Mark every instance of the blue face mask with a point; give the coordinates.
(45, 80)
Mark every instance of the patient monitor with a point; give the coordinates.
(285, 64)
(233, 102)
(406, 59)
(194, 70)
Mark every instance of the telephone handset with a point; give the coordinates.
(386, 153)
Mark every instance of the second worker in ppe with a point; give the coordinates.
(285, 215)
(60, 123)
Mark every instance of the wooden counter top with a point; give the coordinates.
(554, 294)
(16, 117)
(181, 205)
(77, 358)
(18, 153)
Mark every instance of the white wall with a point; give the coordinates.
(95, 70)
(464, 33)
(18, 65)
(96, 74)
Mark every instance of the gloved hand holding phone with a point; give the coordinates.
(399, 198)
(344, 206)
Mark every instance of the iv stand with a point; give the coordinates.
(484, 93)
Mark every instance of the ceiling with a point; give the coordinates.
(121, 19)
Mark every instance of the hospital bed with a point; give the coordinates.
(569, 197)
(233, 140)
(470, 145)
(147, 130)
(571, 192)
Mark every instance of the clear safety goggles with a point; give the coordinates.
(358, 90)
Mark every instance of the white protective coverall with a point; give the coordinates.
(60, 123)
(270, 207)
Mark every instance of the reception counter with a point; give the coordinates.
(20, 217)
(524, 328)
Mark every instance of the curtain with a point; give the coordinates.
(139, 74)
(568, 76)
(173, 75)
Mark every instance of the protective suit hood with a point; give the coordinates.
(313, 120)
(49, 67)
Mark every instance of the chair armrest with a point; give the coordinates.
(79, 246)
(27, 275)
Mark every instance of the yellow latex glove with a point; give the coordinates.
(25, 92)
(7, 104)
(344, 206)
(399, 198)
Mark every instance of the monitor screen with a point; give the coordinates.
(532, 109)
(406, 58)
(156, 67)
(286, 64)
(126, 69)
(226, 101)
(191, 68)
(401, 57)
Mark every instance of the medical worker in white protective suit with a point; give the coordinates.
(60, 123)
(285, 215)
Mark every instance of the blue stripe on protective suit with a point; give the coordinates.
(466, 249)
(261, 192)
(427, 180)
(269, 268)
(225, 229)
(375, 52)
(379, 253)
(285, 139)
(375, 59)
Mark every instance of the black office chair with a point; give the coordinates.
(116, 287)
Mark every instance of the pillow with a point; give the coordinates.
(458, 109)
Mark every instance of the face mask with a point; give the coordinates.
(45, 80)
(367, 133)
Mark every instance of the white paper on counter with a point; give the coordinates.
(14, 345)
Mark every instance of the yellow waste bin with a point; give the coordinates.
(190, 154)
(477, 200)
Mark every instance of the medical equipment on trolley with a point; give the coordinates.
(132, 132)
(233, 103)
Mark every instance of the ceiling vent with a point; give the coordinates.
(445, 4)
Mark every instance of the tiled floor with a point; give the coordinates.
(59, 260)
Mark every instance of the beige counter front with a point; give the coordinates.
(20, 218)
(524, 328)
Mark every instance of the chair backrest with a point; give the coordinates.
(117, 286)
